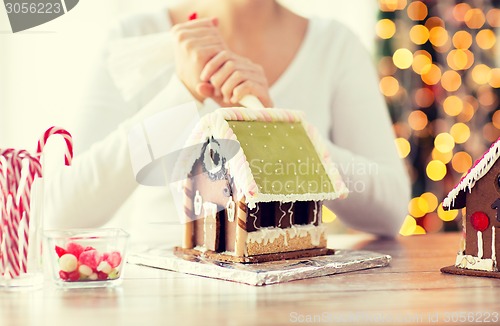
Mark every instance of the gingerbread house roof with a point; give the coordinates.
(279, 156)
(456, 197)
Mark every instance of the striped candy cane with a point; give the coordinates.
(11, 242)
(22, 203)
(68, 155)
(12, 165)
(3, 212)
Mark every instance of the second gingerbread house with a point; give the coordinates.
(479, 193)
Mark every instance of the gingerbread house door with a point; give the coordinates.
(495, 247)
(210, 225)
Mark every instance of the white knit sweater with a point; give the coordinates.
(331, 79)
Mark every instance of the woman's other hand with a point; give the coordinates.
(228, 77)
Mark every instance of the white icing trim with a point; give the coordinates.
(478, 171)
(209, 211)
(282, 215)
(493, 245)
(270, 234)
(315, 212)
(198, 200)
(475, 263)
(266, 235)
(230, 210)
(255, 218)
(479, 244)
(200, 248)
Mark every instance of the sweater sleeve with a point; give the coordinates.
(100, 180)
(363, 147)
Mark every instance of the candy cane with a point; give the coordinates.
(24, 205)
(14, 212)
(15, 202)
(15, 209)
(3, 211)
(12, 243)
(10, 240)
(68, 155)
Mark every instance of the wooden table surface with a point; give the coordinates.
(410, 291)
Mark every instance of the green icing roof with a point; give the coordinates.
(282, 158)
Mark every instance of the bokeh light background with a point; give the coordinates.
(438, 64)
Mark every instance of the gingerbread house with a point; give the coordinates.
(479, 192)
(254, 191)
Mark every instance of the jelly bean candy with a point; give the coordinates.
(85, 270)
(74, 248)
(101, 276)
(68, 263)
(63, 275)
(104, 267)
(114, 259)
(60, 251)
(74, 276)
(93, 277)
(114, 274)
(90, 258)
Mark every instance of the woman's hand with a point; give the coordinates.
(196, 42)
(228, 77)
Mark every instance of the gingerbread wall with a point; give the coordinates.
(485, 192)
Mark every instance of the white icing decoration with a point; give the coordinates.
(268, 235)
(477, 172)
(291, 213)
(475, 263)
(479, 244)
(209, 209)
(200, 248)
(216, 125)
(255, 217)
(197, 203)
(493, 245)
(230, 210)
(282, 215)
(315, 212)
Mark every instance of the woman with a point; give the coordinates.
(234, 48)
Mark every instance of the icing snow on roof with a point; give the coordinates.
(456, 197)
(277, 149)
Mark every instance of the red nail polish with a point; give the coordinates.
(193, 16)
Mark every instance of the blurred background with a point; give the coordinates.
(438, 63)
